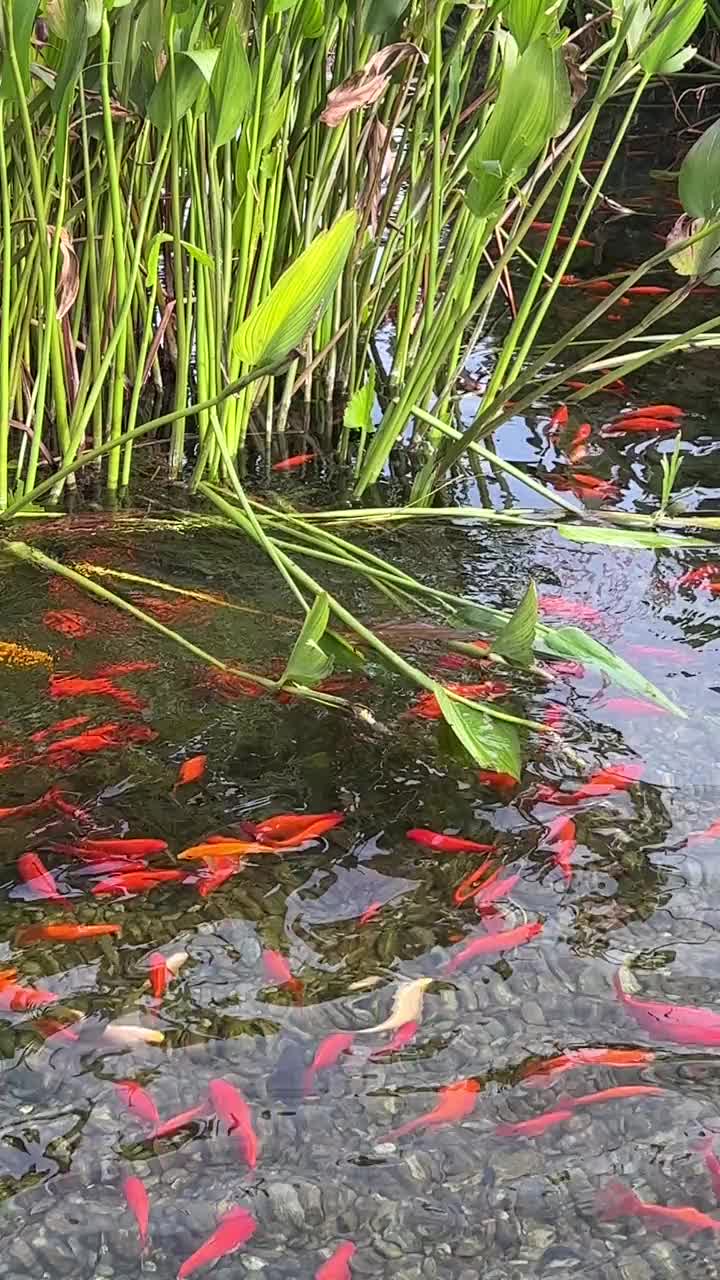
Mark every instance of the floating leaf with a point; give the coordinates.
(628, 538)
(493, 743)
(517, 638)
(296, 302)
(309, 663)
(571, 642)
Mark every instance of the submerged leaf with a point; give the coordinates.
(308, 663)
(296, 302)
(517, 638)
(493, 743)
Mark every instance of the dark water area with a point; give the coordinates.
(364, 910)
(460, 1200)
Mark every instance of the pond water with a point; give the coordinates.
(460, 1200)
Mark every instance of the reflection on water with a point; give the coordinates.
(499, 1175)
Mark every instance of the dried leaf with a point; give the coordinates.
(366, 85)
(69, 281)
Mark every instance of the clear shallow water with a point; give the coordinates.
(455, 1202)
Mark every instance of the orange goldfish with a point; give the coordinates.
(235, 1114)
(234, 1229)
(456, 1102)
(64, 932)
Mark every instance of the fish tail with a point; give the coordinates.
(401, 1132)
(615, 1200)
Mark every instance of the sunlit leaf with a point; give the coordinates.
(24, 13)
(571, 642)
(533, 105)
(528, 19)
(163, 237)
(296, 302)
(308, 663)
(341, 653)
(494, 744)
(358, 414)
(660, 54)
(192, 74)
(628, 537)
(517, 638)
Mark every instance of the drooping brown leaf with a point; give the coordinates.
(572, 58)
(366, 85)
(381, 158)
(69, 281)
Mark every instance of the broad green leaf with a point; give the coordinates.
(494, 744)
(533, 105)
(192, 74)
(308, 663)
(23, 14)
(296, 302)
(674, 31)
(699, 181)
(313, 19)
(383, 14)
(628, 537)
(341, 652)
(280, 6)
(517, 638)
(528, 19)
(358, 414)
(571, 642)
(231, 88)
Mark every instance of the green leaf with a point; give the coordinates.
(383, 14)
(699, 181)
(341, 652)
(517, 638)
(231, 87)
(494, 744)
(313, 19)
(628, 538)
(533, 105)
(571, 642)
(308, 663)
(192, 72)
(529, 19)
(674, 30)
(358, 414)
(23, 14)
(71, 64)
(296, 302)
(163, 237)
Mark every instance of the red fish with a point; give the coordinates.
(618, 1201)
(636, 425)
(681, 1024)
(36, 875)
(559, 419)
(456, 1102)
(297, 460)
(126, 668)
(223, 869)
(328, 1053)
(573, 610)
(617, 1093)
(699, 577)
(54, 798)
(619, 777)
(586, 486)
(234, 1229)
(160, 974)
(291, 828)
(427, 707)
(94, 686)
(139, 848)
(536, 1126)
(561, 839)
(16, 998)
(17, 811)
(60, 726)
(680, 657)
(493, 890)
(137, 881)
(65, 932)
(633, 707)
(191, 770)
(278, 970)
(712, 1163)
(229, 686)
(555, 716)
(492, 944)
(370, 913)
(68, 623)
(543, 1073)
(337, 1268)
(447, 844)
(236, 1115)
(656, 410)
(100, 739)
(470, 885)
(401, 1039)
(500, 781)
(139, 1205)
(138, 1100)
(180, 1121)
(710, 833)
(576, 449)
